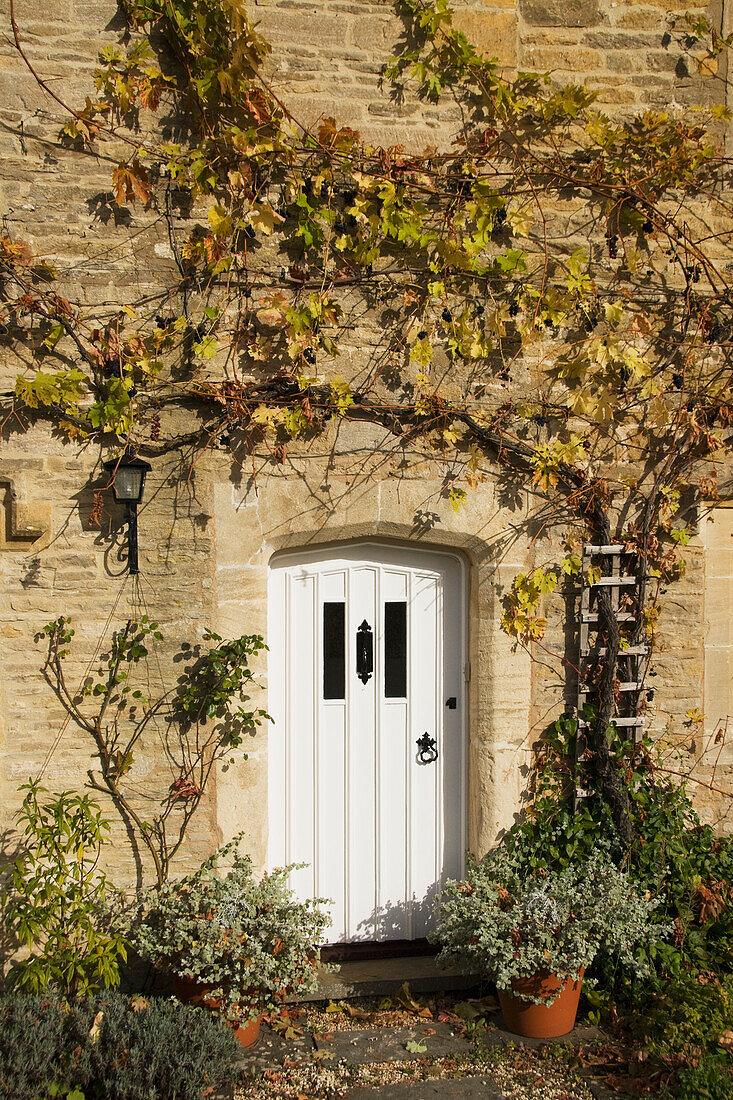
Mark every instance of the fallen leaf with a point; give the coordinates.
(94, 1029)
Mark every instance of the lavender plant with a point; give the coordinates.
(506, 925)
(246, 939)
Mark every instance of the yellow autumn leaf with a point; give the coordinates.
(604, 408)
(421, 352)
(263, 217)
(636, 362)
(269, 418)
(219, 220)
(613, 312)
(582, 402)
(520, 219)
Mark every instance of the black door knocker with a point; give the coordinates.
(427, 750)
(364, 652)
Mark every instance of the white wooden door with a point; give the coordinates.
(378, 823)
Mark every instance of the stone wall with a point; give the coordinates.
(329, 56)
(207, 531)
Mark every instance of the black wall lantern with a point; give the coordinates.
(128, 483)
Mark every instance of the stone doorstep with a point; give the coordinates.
(381, 977)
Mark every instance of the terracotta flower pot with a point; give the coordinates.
(545, 1021)
(193, 993)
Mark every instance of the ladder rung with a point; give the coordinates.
(622, 617)
(611, 548)
(627, 685)
(632, 651)
(625, 723)
(613, 582)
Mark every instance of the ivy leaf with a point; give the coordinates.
(572, 564)
(264, 218)
(421, 352)
(114, 413)
(520, 219)
(219, 220)
(206, 348)
(681, 535)
(130, 182)
(273, 309)
(457, 497)
(39, 390)
(341, 395)
(512, 260)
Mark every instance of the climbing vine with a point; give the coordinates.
(552, 303)
(200, 723)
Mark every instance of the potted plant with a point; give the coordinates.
(534, 934)
(230, 941)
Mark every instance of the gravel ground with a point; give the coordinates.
(368, 1048)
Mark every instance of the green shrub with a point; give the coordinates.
(677, 858)
(680, 1010)
(710, 1079)
(54, 899)
(684, 1015)
(110, 1047)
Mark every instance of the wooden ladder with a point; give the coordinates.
(632, 662)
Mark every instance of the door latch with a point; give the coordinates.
(451, 703)
(427, 749)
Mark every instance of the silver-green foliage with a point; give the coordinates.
(505, 924)
(248, 940)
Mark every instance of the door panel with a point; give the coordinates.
(348, 793)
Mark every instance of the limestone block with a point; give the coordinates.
(573, 59)
(562, 13)
(370, 33)
(639, 18)
(494, 33)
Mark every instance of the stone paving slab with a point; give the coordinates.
(272, 1049)
(599, 1090)
(389, 1044)
(465, 1088)
(500, 1036)
(364, 1046)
